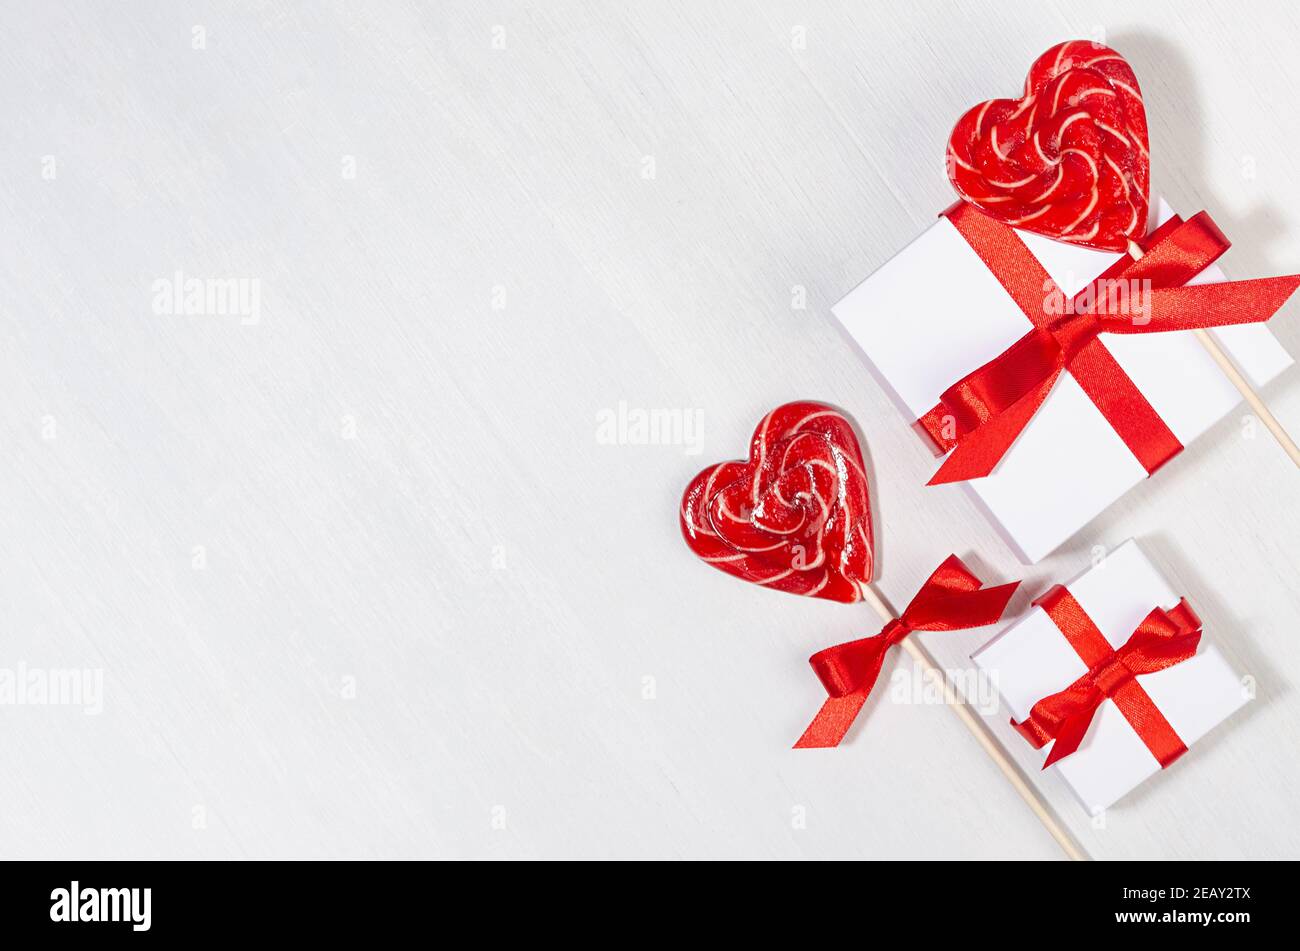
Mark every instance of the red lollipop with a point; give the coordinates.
(796, 516)
(1069, 159)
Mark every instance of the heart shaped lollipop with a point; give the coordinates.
(1069, 159)
(796, 516)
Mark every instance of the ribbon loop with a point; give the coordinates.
(849, 668)
(981, 416)
(1164, 638)
(1177, 251)
(953, 598)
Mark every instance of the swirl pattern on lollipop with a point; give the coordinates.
(796, 516)
(1069, 159)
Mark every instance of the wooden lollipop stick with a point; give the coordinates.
(957, 703)
(1243, 386)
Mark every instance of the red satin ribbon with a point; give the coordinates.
(1164, 638)
(981, 415)
(951, 600)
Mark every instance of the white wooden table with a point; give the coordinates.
(360, 572)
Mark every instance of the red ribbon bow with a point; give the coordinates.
(981, 415)
(951, 600)
(1164, 638)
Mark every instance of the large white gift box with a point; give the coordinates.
(1032, 659)
(934, 313)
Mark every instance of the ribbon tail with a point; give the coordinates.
(1206, 306)
(832, 722)
(1032, 731)
(979, 451)
(848, 672)
(1069, 737)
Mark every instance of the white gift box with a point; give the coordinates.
(934, 313)
(1032, 659)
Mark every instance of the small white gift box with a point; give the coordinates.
(934, 313)
(1033, 659)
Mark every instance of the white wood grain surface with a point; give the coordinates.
(360, 576)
